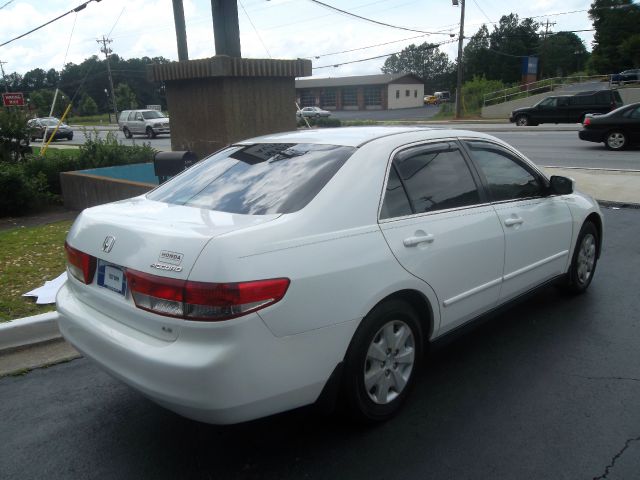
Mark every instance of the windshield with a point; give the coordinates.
(152, 114)
(258, 179)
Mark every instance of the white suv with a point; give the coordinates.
(143, 122)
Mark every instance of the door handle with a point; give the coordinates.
(417, 240)
(509, 222)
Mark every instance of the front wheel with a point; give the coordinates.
(127, 133)
(585, 259)
(150, 133)
(616, 140)
(522, 120)
(382, 362)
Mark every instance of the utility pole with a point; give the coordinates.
(106, 50)
(181, 30)
(460, 40)
(4, 77)
(544, 45)
(226, 30)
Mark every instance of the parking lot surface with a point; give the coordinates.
(547, 389)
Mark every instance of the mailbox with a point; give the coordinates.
(168, 164)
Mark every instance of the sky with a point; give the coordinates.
(268, 29)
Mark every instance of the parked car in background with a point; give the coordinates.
(315, 112)
(567, 108)
(306, 267)
(150, 123)
(628, 76)
(430, 100)
(617, 129)
(443, 96)
(39, 125)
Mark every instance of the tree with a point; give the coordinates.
(510, 41)
(614, 22)
(630, 48)
(498, 55)
(562, 53)
(41, 101)
(125, 98)
(477, 58)
(426, 61)
(88, 106)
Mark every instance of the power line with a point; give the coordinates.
(77, 9)
(255, 29)
(364, 48)
(326, 5)
(429, 47)
(10, 1)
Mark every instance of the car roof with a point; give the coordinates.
(356, 136)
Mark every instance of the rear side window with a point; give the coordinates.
(435, 177)
(257, 179)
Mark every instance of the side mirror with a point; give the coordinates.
(561, 185)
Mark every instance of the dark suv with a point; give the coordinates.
(567, 108)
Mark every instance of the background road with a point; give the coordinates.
(553, 146)
(548, 390)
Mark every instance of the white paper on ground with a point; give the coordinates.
(47, 293)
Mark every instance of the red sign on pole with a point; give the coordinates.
(13, 99)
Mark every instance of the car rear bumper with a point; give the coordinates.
(591, 135)
(221, 373)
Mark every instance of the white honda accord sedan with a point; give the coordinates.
(301, 267)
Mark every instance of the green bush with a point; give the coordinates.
(21, 193)
(14, 133)
(474, 90)
(322, 122)
(30, 184)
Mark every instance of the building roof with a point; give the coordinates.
(381, 79)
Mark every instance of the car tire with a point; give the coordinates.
(382, 362)
(317, 115)
(150, 133)
(522, 121)
(127, 133)
(615, 140)
(584, 261)
(70, 137)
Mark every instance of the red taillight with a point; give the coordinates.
(201, 300)
(587, 121)
(81, 265)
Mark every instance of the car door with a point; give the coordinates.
(546, 110)
(632, 124)
(440, 227)
(136, 122)
(537, 225)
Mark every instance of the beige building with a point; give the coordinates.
(366, 92)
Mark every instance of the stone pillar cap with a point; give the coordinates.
(224, 66)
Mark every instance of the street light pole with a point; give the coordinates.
(460, 40)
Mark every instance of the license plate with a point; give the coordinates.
(112, 277)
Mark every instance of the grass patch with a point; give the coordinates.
(102, 119)
(29, 257)
(69, 151)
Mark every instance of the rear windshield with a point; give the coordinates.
(257, 179)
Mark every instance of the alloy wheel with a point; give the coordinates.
(616, 140)
(586, 258)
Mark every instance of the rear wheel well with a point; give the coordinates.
(597, 222)
(420, 304)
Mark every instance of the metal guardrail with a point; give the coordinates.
(540, 86)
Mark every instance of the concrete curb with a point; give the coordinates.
(29, 330)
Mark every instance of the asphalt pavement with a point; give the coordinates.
(547, 390)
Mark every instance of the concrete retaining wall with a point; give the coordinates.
(503, 110)
(80, 190)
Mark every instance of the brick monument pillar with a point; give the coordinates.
(217, 101)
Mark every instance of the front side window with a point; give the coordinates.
(138, 117)
(256, 179)
(436, 177)
(549, 102)
(506, 177)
